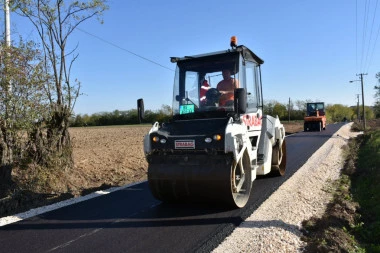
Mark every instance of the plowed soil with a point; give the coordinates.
(108, 155)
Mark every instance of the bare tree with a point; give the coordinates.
(55, 21)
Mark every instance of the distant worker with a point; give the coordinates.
(227, 87)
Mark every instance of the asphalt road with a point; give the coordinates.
(131, 220)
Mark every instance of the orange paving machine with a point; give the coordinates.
(315, 119)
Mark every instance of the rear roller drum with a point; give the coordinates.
(241, 181)
(279, 159)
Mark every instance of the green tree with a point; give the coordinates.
(22, 101)
(78, 121)
(369, 113)
(280, 110)
(337, 112)
(269, 106)
(377, 97)
(150, 116)
(301, 105)
(87, 120)
(55, 21)
(164, 113)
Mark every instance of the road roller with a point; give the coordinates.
(315, 118)
(217, 139)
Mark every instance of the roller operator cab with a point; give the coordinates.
(217, 141)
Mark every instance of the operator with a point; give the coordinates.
(228, 84)
(227, 87)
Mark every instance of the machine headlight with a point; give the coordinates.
(157, 139)
(208, 140)
(217, 137)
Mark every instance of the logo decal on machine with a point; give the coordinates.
(184, 144)
(252, 120)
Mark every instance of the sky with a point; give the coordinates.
(311, 49)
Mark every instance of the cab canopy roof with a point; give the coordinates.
(215, 61)
(246, 53)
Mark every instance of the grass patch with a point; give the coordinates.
(366, 191)
(351, 222)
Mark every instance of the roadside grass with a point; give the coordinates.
(366, 192)
(351, 222)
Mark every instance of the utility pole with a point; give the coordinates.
(361, 80)
(7, 24)
(7, 32)
(289, 111)
(357, 95)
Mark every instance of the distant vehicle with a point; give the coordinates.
(315, 119)
(213, 150)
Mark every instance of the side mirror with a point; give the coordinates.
(240, 100)
(140, 109)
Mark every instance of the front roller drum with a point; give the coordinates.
(201, 178)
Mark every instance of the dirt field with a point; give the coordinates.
(108, 155)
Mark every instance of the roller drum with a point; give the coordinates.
(198, 178)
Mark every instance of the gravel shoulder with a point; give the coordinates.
(276, 225)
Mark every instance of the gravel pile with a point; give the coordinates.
(276, 225)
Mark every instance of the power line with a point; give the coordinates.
(112, 44)
(374, 46)
(377, 35)
(368, 42)
(366, 7)
(370, 36)
(356, 33)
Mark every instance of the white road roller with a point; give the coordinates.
(216, 142)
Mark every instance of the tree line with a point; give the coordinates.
(128, 117)
(291, 111)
